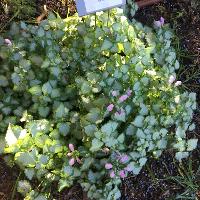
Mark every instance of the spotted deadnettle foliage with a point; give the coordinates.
(105, 86)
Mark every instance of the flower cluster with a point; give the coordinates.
(120, 99)
(160, 22)
(172, 80)
(74, 155)
(119, 168)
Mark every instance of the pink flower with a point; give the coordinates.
(8, 42)
(114, 93)
(129, 92)
(108, 166)
(112, 174)
(124, 158)
(122, 174)
(171, 79)
(178, 83)
(159, 23)
(110, 107)
(74, 158)
(123, 98)
(71, 147)
(162, 21)
(71, 161)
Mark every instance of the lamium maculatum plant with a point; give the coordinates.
(89, 100)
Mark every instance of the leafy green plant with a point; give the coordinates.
(90, 99)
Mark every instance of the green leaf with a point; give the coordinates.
(94, 116)
(64, 128)
(92, 177)
(25, 64)
(136, 86)
(41, 32)
(43, 111)
(23, 187)
(63, 184)
(130, 130)
(43, 159)
(192, 144)
(68, 170)
(3, 81)
(134, 168)
(36, 90)
(109, 128)
(142, 161)
(38, 126)
(106, 45)
(29, 172)
(120, 117)
(15, 78)
(121, 138)
(86, 88)
(139, 68)
(87, 163)
(40, 197)
(47, 88)
(61, 111)
(139, 121)
(26, 159)
(90, 130)
(144, 110)
(181, 155)
(96, 145)
(13, 134)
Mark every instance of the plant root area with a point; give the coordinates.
(164, 178)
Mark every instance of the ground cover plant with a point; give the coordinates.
(120, 104)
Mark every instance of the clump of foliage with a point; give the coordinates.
(22, 9)
(91, 99)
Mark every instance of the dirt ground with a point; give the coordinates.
(153, 182)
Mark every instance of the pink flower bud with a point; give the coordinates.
(112, 174)
(71, 147)
(123, 98)
(122, 174)
(162, 21)
(124, 159)
(178, 83)
(159, 23)
(110, 107)
(71, 161)
(129, 92)
(8, 42)
(171, 79)
(108, 166)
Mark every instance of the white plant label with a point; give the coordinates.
(85, 7)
